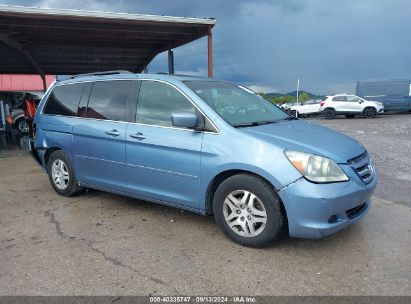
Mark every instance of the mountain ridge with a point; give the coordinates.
(294, 95)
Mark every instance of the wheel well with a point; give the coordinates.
(329, 109)
(218, 179)
(370, 107)
(17, 120)
(47, 155)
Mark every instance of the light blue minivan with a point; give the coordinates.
(203, 145)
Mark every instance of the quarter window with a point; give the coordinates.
(157, 101)
(352, 99)
(108, 100)
(64, 99)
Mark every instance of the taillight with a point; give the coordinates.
(33, 130)
(322, 103)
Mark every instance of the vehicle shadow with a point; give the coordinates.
(196, 224)
(12, 143)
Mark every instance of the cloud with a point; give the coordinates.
(329, 45)
(263, 89)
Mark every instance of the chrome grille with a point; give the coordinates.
(363, 167)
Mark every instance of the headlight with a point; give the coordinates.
(316, 168)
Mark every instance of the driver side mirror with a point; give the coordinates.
(185, 120)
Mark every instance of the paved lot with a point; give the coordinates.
(103, 244)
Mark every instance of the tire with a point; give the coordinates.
(62, 176)
(329, 114)
(22, 126)
(249, 227)
(350, 115)
(370, 112)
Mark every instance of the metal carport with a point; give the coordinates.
(57, 41)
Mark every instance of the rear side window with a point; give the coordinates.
(157, 101)
(64, 99)
(339, 98)
(108, 100)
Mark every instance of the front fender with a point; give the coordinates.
(247, 168)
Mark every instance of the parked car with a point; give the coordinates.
(17, 112)
(310, 107)
(19, 122)
(395, 95)
(203, 145)
(350, 106)
(287, 105)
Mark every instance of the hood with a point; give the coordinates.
(374, 102)
(307, 137)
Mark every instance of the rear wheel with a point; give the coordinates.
(61, 174)
(329, 113)
(248, 210)
(370, 112)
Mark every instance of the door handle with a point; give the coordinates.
(113, 133)
(139, 136)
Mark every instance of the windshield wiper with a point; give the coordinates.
(291, 118)
(254, 123)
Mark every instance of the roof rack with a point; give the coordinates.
(183, 75)
(101, 73)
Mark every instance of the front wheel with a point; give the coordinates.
(370, 112)
(249, 211)
(61, 174)
(22, 126)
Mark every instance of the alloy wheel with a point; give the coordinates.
(329, 114)
(23, 126)
(369, 113)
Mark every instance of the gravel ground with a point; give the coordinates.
(103, 244)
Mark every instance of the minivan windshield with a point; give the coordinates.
(238, 105)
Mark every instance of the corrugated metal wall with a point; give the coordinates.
(15, 83)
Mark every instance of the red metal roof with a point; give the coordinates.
(20, 82)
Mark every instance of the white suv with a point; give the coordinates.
(350, 106)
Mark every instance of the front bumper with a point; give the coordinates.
(318, 210)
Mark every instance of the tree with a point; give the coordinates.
(303, 97)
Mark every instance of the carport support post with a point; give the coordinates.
(210, 53)
(43, 78)
(170, 62)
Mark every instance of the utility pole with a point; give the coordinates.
(298, 89)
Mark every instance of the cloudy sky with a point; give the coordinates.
(328, 44)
